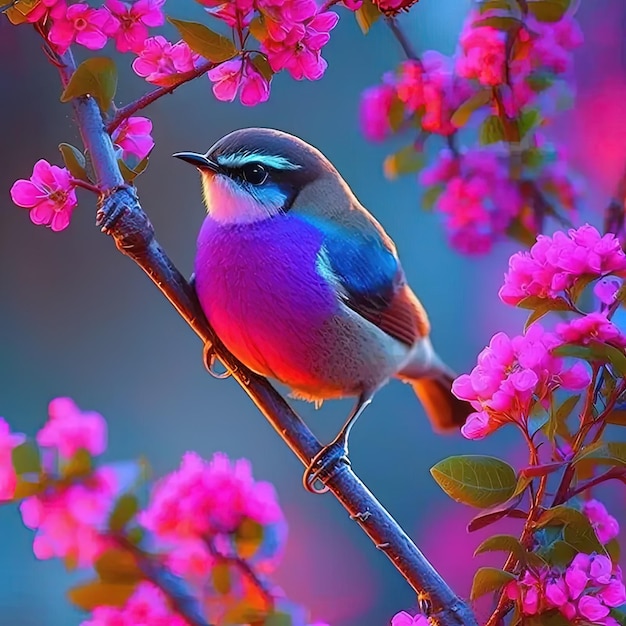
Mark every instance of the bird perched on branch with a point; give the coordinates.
(303, 285)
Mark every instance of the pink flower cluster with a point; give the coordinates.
(159, 60)
(539, 49)
(406, 619)
(133, 137)
(604, 524)
(556, 262)
(49, 194)
(428, 89)
(587, 590)
(127, 23)
(147, 605)
(510, 375)
(239, 76)
(8, 441)
(478, 198)
(591, 327)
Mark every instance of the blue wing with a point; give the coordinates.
(371, 280)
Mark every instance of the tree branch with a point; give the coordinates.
(403, 40)
(618, 473)
(152, 96)
(614, 212)
(134, 236)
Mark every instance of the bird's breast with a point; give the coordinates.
(259, 288)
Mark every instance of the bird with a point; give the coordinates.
(303, 285)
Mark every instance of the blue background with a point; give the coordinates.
(79, 319)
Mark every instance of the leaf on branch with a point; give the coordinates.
(366, 15)
(558, 554)
(18, 10)
(479, 481)
(613, 549)
(595, 351)
(128, 173)
(204, 41)
(576, 290)
(263, 67)
(548, 10)
(577, 529)
(220, 575)
(518, 231)
(278, 619)
(78, 466)
(534, 471)
(406, 161)
(491, 131)
(118, 566)
(488, 579)
(620, 616)
(243, 613)
(96, 77)
(527, 120)
(603, 453)
(430, 196)
(485, 519)
(123, 512)
(26, 488)
(617, 417)
(257, 28)
(494, 5)
(462, 115)
(98, 593)
(499, 22)
(396, 114)
(547, 305)
(74, 161)
(558, 418)
(248, 538)
(503, 543)
(26, 458)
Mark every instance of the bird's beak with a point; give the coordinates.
(201, 161)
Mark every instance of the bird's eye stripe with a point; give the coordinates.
(241, 159)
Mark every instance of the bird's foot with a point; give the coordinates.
(323, 465)
(112, 205)
(210, 358)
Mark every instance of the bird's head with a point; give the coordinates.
(256, 173)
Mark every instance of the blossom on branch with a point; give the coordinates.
(239, 76)
(49, 194)
(81, 24)
(8, 441)
(159, 60)
(133, 137)
(604, 524)
(130, 22)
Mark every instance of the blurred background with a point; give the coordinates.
(79, 319)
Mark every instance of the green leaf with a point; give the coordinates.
(26, 488)
(559, 416)
(577, 529)
(257, 28)
(431, 195)
(534, 471)
(518, 231)
(406, 161)
(620, 616)
(124, 510)
(613, 549)
(499, 22)
(479, 481)
(220, 575)
(491, 130)
(576, 290)
(488, 579)
(528, 119)
(74, 161)
(604, 453)
(546, 306)
(532, 157)
(548, 10)
(278, 619)
(263, 67)
(26, 458)
(366, 15)
(98, 593)
(617, 417)
(547, 618)
(503, 543)
(595, 351)
(204, 41)
(485, 519)
(539, 82)
(494, 5)
(129, 174)
(118, 566)
(78, 466)
(248, 538)
(17, 11)
(462, 115)
(242, 613)
(96, 77)
(558, 554)
(396, 114)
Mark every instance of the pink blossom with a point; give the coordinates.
(191, 560)
(43, 8)
(614, 593)
(553, 43)
(203, 498)
(557, 593)
(374, 111)
(147, 605)
(8, 441)
(159, 60)
(239, 75)
(527, 591)
(591, 327)
(49, 194)
(605, 525)
(511, 376)
(600, 569)
(133, 137)
(483, 54)
(406, 619)
(79, 23)
(69, 429)
(70, 521)
(352, 5)
(237, 14)
(130, 25)
(479, 199)
(592, 608)
(410, 85)
(556, 262)
(606, 289)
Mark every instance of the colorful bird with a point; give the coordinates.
(303, 285)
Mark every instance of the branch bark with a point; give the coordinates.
(134, 236)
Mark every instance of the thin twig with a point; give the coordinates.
(134, 236)
(153, 96)
(403, 40)
(618, 473)
(614, 213)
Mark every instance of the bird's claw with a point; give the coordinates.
(323, 465)
(209, 356)
(112, 205)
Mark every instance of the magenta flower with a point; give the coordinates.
(591, 327)
(159, 60)
(237, 14)
(49, 194)
(43, 8)
(483, 55)
(8, 441)
(81, 24)
(406, 619)
(605, 525)
(374, 111)
(69, 429)
(134, 138)
(592, 609)
(239, 75)
(606, 289)
(130, 23)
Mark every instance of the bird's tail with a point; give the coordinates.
(444, 410)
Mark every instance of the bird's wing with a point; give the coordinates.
(369, 278)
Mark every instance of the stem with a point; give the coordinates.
(614, 213)
(134, 237)
(403, 40)
(616, 472)
(153, 96)
(77, 182)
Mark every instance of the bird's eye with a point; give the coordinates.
(254, 173)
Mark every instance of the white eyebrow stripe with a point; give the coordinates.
(239, 159)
